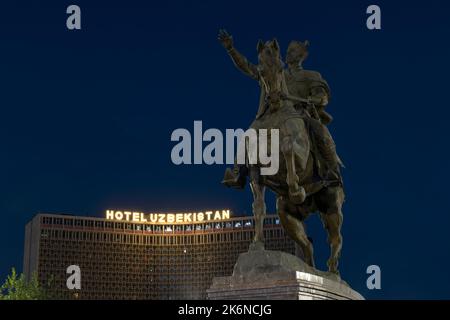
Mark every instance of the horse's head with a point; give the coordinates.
(270, 68)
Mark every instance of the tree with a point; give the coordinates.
(16, 287)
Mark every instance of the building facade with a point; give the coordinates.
(140, 260)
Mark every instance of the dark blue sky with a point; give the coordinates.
(86, 118)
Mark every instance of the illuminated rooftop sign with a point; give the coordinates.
(161, 218)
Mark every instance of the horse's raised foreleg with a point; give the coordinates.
(259, 208)
(295, 228)
(295, 149)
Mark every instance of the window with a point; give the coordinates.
(47, 220)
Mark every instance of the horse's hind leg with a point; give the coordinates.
(259, 209)
(330, 206)
(332, 221)
(295, 228)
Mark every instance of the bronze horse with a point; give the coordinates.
(299, 191)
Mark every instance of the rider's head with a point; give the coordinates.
(297, 52)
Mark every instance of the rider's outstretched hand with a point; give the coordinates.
(226, 39)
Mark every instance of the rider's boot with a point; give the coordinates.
(330, 160)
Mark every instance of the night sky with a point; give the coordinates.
(86, 119)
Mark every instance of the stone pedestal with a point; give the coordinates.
(275, 275)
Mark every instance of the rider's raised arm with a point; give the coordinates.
(241, 62)
(238, 59)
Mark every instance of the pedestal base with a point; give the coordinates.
(275, 275)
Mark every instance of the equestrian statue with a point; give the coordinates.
(293, 100)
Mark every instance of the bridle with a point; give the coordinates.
(265, 83)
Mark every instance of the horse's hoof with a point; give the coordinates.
(256, 245)
(335, 274)
(298, 197)
(333, 269)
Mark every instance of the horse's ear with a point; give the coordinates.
(260, 46)
(306, 43)
(275, 45)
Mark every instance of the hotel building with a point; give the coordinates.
(135, 256)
